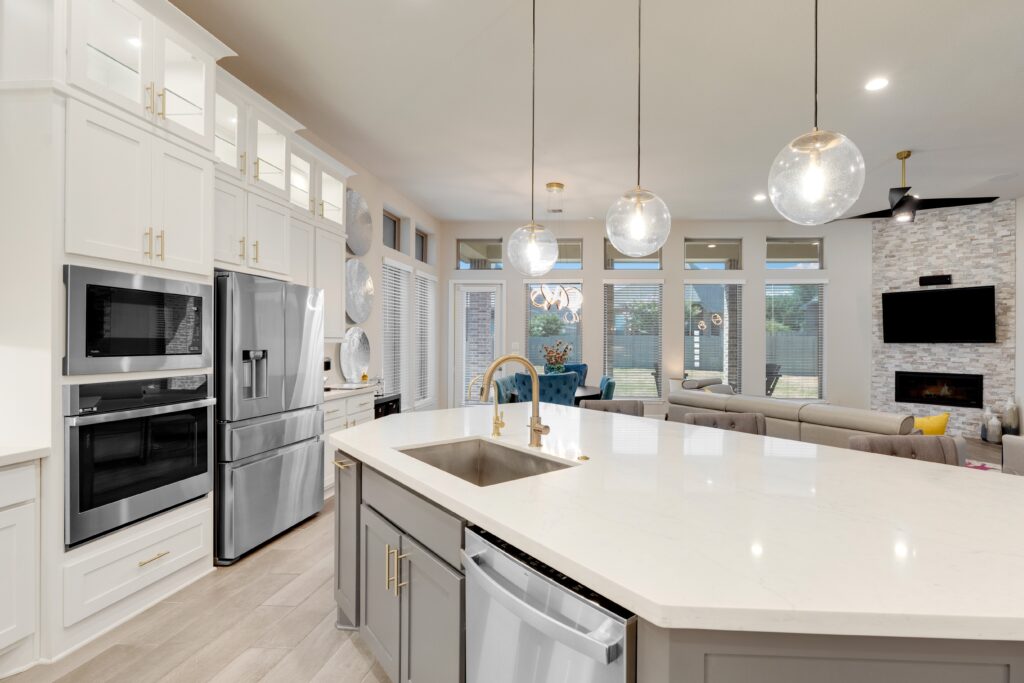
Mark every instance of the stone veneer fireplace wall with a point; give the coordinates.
(976, 245)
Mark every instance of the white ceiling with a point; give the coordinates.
(432, 96)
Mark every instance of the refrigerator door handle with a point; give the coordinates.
(589, 644)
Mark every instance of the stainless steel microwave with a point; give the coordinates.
(120, 322)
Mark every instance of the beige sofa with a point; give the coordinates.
(793, 419)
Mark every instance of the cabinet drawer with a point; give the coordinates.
(360, 418)
(98, 581)
(436, 528)
(17, 484)
(359, 404)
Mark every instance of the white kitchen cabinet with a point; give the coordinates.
(182, 209)
(270, 149)
(133, 197)
(230, 242)
(109, 169)
(301, 181)
(184, 86)
(332, 199)
(108, 53)
(330, 276)
(303, 251)
(267, 227)
(229, 143)
(17, 572)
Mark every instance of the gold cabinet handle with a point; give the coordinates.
(163, 243)
(321, 208)
(148, 253)
(256, 169)
(312, 206)
(241, 249)
(163, 103)
(256, 251)
(241, 168)
(399, 584)
(143, 563)
(342, 465)
(150, 98)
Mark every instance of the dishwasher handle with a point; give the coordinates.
(589, 644)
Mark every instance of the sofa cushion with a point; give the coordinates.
(701, 383)
(698, 398)
(782, 429)
(940, 449)
(769, 407)
(855, 419)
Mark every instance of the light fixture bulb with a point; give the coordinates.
(816, 178)
(532, 250)
(904, 216)
(876, 83)
(638, 223)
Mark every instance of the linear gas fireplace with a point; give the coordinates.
(940, 388)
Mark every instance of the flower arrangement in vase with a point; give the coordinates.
(556, 356)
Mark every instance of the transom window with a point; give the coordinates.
(616, 260)
(478, 254)
(392, 230)
(711, 254)
(794, 253)
(570, 255)
(421, 246)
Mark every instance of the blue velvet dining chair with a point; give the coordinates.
(580, 369)
(506, 389)
(558, 387)
(607, 388)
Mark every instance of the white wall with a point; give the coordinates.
(847, 298)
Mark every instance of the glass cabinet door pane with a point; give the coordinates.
(332, 201)
(225, 131)
(300, 177)
(184, 92)
(113, 48)
(270, 155)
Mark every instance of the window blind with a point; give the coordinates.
(632, 338)
(562, 322)
(395, 294)
(794, 319)
(713, 332)
(425, 305)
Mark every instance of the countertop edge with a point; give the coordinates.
(16, 457)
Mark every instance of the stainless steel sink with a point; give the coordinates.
(481, 462)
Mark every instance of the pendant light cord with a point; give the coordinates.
(815, 64)
(639, 57)
(533, 109)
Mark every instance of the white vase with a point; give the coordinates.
(995, 430)
(1011, 416)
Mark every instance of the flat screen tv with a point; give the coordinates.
(940, 316)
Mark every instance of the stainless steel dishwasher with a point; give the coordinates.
(527, 623)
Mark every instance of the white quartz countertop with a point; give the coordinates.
(12, 454)
(691, 527)
(335, 394)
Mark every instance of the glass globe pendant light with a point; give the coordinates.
(532, 249)
(818, 176)
(638, 223)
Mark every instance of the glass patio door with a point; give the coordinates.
(478, 336)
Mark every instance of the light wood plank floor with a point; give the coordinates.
(269, 617)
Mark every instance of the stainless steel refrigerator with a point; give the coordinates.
(269, 354)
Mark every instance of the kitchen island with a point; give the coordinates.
(747, 557)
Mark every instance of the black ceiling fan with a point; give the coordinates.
(904, 206)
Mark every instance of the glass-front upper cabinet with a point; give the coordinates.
(226, 139)
(269, 168)
(185, 87)
(300, 180)
(332, 198)
(109, 47)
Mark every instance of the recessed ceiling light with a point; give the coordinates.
(760, 197)
(876, 83)
(712, 246)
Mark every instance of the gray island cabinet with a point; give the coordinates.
(398, 578)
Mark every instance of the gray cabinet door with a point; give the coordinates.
(346, 538)
(379, 609)
(431, 594)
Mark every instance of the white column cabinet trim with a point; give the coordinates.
(330, 276)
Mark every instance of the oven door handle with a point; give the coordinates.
(118, 415)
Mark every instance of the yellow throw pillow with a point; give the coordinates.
(932, 425)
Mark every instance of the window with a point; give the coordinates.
(712, 337)
(554, 312)
(632, 338)
(425, 347)
(794, 338)
(570, 255)
(709, 254)
(421, 246)
(803, 253)
(392, 231)
(395, 294)
(482, 254)
(616, 260)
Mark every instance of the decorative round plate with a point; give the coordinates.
(358, 223)
(358, 291)
(355, 354)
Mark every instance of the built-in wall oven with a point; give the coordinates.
(133, 449)
(120, 322)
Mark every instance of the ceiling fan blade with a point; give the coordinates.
(945, 202)
(885, 213)
(896, 194)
